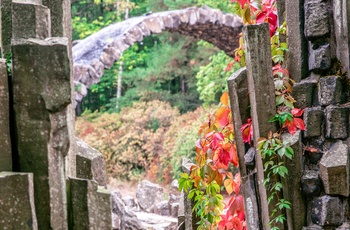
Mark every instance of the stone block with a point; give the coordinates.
(239, 100)
(296, 215)
(316, 19)
(327, 210)
(262, 100)
(313, 118)
(17, 209)
(341, 27)
(313, 227)
(298, 51)
(41, 94)
(60, 17)
(311, 183)
(162, 208)
(148, 195)
(319, 57)
(186, 165)
(330, 90)
(30, 20)
(303, 93)
(334, 170)
(337, 122)
(6, 26)
(90, 205)
(5, 139)
(90, 163)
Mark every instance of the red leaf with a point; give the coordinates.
(217, 138)
(234, 155)
(247, 131)
(299, 123)
(297, 112)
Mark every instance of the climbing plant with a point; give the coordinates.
(217, 149)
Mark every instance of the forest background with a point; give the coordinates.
(169, 84)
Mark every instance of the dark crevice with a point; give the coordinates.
(13, 134)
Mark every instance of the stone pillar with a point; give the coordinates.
(5, 139)
(262, 100)
(41, 93)
(17, 209)
(60, 17)
(30, 19)
(90, 163)
(239, 100)
(90, 205)
(62, 27)
(296, 216)
(297, 55)
(5, 26)
(341, 30)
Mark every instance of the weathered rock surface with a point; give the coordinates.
(41, 94)
(337, 122)
(327, 210)
(17, 209)
(334, 170)
(311, 182)
(303, 93)
(319, 58)
(123, 217)
(156, 222)
(5, 141)
(91, 206)
(186, 165)
(130, 202)
(148, 195)
(316, 18)
(313, 119)
(30, 19)
(162, 208)
(90, 163)
(330, 92)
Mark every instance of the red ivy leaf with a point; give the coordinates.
(297, 112)
(247, 131)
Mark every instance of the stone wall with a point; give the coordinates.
(318, 60)
(324, 94)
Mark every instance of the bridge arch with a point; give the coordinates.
(100, 50)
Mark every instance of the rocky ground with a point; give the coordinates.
(144, 207)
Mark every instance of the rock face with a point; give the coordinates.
(91, 205)
(148, 195)
(334, 170)
(123, 216)
(327, 211)
(311, 183)
(90, 163)
(41, 94)
(316, 19)
(17, 205)
(162, 208)
(129, 201)
(35, 23)
(5, 141)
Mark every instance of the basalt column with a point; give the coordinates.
(42, 92)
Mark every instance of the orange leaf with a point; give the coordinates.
(224, 98)
(229, 185)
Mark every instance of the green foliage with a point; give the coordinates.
(212, 78)
(179, 141)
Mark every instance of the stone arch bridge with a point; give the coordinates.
(100, 50)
